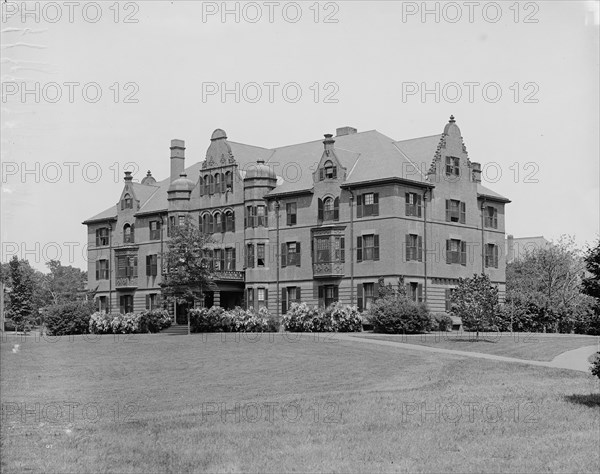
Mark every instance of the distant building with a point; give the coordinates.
(517, 248)
(317, 222)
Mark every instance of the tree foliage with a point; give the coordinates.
(64, 283)
(475, 301)
(590, 284)
(187, 269)
(20, 306)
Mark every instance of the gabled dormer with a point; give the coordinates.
(128, 200)
(330, 168)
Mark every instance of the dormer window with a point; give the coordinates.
(329, 209)
(452, 166)
(128, 234)
(127, 202)
(329, 171)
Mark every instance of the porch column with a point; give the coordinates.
(217, 298)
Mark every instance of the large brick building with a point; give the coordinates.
(315, 222)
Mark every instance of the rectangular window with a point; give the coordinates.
(367, 205)
(368, 294)
(455, 211)
(449, 293)
(491, 256)
(414, 247)
(452, 166)
(261, 216)
(250, 255)
(290, 254)
(329, 249)
(102, 237)
(415, 292)
(260, 255)
(491, 217)
(230, 221)
(101, 269)
(171, 225)
(250, 298)
(367, 247)
(250, 216)
(456, 251)
(262, 297)
(230, 259)
(290, 211)
(154, 230)
(103, 304)
(289, 295)
(126, 267)
(126, 304)
(218, 260)
(152, 301)
(413, 204)
(151, 265)
(328, 294)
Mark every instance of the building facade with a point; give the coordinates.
(316, 222)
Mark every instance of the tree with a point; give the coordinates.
(64, 284)
(590, 285)
(475, 301)
(187, 270)
(543, 288)
(20, 307)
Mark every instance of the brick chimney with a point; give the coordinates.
(177, 158)
(340, 132)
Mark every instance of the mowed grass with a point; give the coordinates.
(529, 346)
(208, 404)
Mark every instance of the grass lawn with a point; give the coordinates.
(530, 346)
(159, 403)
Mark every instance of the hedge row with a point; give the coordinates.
(217, 319)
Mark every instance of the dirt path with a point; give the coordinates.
(576, 359)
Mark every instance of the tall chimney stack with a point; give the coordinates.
(328, 142)
(476, 171)
(177, 158)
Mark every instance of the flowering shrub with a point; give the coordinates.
(154, 320)
(130, 323)
(216, 319)
(209, 320)
(335, 318)
(399, 315)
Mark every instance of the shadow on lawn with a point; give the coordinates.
(489, 341)
(592, 400)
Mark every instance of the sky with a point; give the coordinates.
(92, 89)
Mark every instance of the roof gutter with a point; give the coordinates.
(390, 180)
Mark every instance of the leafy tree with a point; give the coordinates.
(475, 301)
(20, 305)
(64, 284)
(590, 285)
(187, 270)
(595, 367)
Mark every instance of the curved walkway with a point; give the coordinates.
(576, 359)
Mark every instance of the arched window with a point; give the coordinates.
(217, 222)
(128, 234)
(223, 187)
(330, 170)
(127, 202)
(328, 209)
(211, 184)
(230, 221)
(217, 182)
(201, 186)
(207, 224)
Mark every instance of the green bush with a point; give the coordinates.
(441, 322)
(595, 367)
(154, 320)
(216, 319)
(68, 318)
(209, 320)
(343, 318)
(335, 318)
(394, 314)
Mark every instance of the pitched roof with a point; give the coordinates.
(488, 193)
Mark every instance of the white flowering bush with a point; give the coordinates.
(129, 323)
(154, 320)
(248, 320)
(335, 318)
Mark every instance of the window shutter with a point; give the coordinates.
(447, 297)
(283, 300)
(283, 255)
(408, 252)
(495, 256)
(266, 297)
(447, 210)
(407, 210)
(245, 218)
(359, 296)
(448, 246)
(148, 265)
(232, 221)
(376, 247)
(97, 270)
(233, 259)
(148, 302)
(420, 248)
(463, 253)
(336, 293)
(288, 214)
(342, 249)
(122, 304)
(320, 209)
(321, 296)
(359, 209)
(375, 204)
(336, 208)
(359, 249)
(298, 254)
(321, 174)
(420, 293)
(222, 256)
(375, 290)
(463, 212)
(418, 205)
(253, 216)
(408, 291)
(334, 172)
(298, 293)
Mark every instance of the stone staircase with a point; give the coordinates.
(175, 330)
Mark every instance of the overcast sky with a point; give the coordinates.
(161, 68)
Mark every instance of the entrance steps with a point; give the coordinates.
(175, 330)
